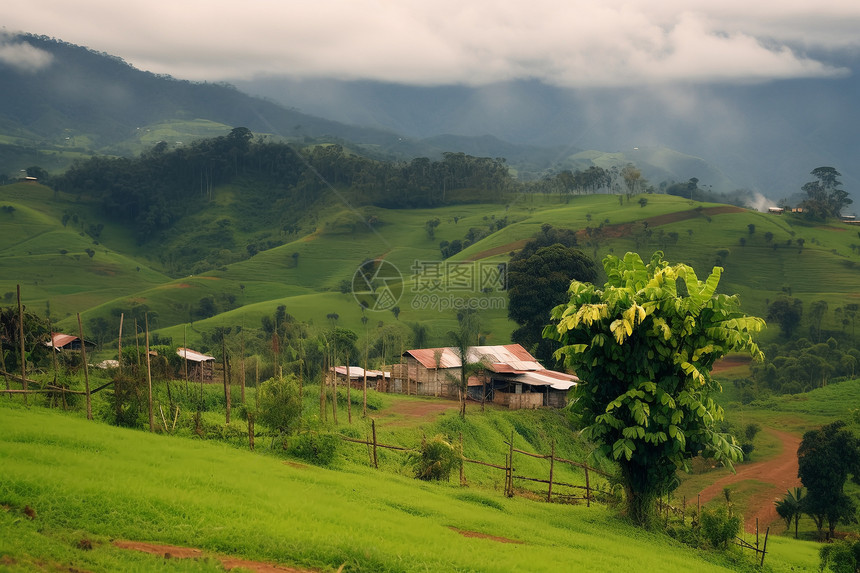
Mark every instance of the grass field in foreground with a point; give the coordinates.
(86, 480)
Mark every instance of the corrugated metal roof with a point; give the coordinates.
(499, 358)
(358, 372)
(60, 339)
(193, 355)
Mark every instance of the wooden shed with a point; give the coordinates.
(200, 366)
(510, 376)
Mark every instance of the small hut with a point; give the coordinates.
(200, 366)
(67, 342)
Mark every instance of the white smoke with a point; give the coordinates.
(759, 202)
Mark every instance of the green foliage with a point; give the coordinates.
(280, 404)
(719, 527)
(538, 278)
(435, 459)
(826, 458)
(643, 348)
(840, 557)
(315, 448)
(824, 196)
(790, 507)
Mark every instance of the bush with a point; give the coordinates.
(719, 527)
(318, 449)
(435, 459)
(840, 557)
(280, 406)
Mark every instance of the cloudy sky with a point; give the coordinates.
(572, 44)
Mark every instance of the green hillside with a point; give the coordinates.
(70, 259)
(85, 485)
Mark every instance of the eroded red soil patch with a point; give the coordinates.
(780, 472)
(500, 250)
(177, 552)
(729, 362)
(466, 533)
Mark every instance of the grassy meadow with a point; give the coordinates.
(67, 484)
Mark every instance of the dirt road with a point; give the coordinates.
(780, 472)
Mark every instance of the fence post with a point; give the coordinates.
(551, 468)
(373, 426)
(511, 467)
(462, 464)
(251, 432)
(86, 372)
(764, 549)
(587, 489)
(21, 340)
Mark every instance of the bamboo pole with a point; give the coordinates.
(149, 374)
(242, 365)
(764, 549)
(551, 469)
(86, 370)
(21, 341)
(348, 392)
(364, 383)
(119, 344)
(587, 489)
(462, 464)
(224, 377)
(137, 344)
(375, 460)
(3, 364)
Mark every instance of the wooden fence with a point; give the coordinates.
(587, 494)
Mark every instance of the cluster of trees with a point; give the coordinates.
(161, 186)
(826, 458)
(824, 196)
(538, 277)
(800, 366)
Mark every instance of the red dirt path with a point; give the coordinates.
(780, 472)
(176, 552)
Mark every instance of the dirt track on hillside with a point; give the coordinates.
(780, 472)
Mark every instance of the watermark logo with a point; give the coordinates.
(377, 285)
(458, 285)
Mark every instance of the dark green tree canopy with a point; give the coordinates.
(825, 459)
(824, 196)
(538, 279)
(643, 348)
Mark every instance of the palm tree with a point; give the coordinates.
(461, 340)
(790, 507)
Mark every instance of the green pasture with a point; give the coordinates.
(88, 481)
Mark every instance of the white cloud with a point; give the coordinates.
(579, 43)
(22, 55)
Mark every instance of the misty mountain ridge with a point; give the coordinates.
(96, 102)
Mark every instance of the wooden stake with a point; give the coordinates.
(251, 432)
(373, 427)
(242, 364)
(551, 469)
(462, 465)
(348, 393)
(119, 345)
(224, 376)
(764, 549)
(587, 489)
(149, 374)
(3, 363)
(21, 340)
(137, 344)
(86, 372)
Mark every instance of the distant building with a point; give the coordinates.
(199, 365)
(68, 342)
(510, 376)
(776, 210)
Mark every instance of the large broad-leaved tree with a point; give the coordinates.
(643, 347)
